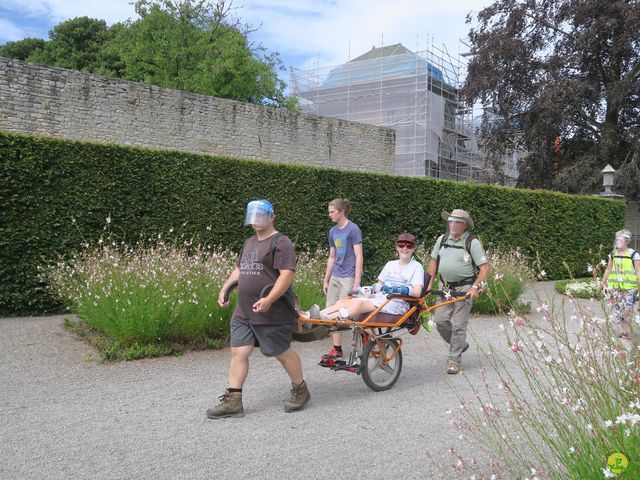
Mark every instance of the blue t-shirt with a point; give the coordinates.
(343, 241)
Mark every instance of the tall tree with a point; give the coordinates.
(192, 45)
(198, 46)
(77, 44)
(567, 72)
(21, 49)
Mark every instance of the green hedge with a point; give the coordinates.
(46, 182)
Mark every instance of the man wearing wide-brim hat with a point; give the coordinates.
(459, 260)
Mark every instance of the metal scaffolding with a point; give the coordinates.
(416, 94)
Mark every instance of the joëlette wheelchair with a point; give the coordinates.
(376, 342)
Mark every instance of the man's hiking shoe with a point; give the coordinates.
(299, 397)
(230, 406)
(453, 369)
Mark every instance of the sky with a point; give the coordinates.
(303, 32)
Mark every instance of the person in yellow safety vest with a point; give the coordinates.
(621, 280)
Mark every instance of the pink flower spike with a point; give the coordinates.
(516, 347)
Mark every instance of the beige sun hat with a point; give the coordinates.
(461, 214)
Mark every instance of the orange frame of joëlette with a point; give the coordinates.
(368, 325)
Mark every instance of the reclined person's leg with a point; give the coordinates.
(353, 306)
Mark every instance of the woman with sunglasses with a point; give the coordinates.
(404, 276)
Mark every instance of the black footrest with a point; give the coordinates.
(347, 368)
(339, 365)
(331, 362)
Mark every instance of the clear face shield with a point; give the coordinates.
(621, 241)
(457, 224)
(259, 213)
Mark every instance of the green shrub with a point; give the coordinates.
(499, 296)
(561, 285)
(51, 190)
(157, 299)
(146, 295)
(509, 276)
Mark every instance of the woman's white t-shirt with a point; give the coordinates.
(396, 275)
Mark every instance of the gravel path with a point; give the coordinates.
(63, 415)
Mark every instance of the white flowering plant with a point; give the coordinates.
(158, 296)
(161, 293)
(310, 270)
(560, 396)
(579, 287)
(588, 287)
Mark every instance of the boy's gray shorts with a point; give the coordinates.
(272, 339)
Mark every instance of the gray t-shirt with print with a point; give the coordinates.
(257, 271)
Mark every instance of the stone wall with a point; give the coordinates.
(56, 102)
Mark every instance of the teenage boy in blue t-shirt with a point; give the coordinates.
(344, 267)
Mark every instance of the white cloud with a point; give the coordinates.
(34, 8)
(299, 30)
(10, 32)
(59, 10)
(347, 28)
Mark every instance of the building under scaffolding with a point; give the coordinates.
(417, 94)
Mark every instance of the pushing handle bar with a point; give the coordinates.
(228, 291)
(290, 303)
(265, 290)
(263, 293)
(427, 293)
(446, 294)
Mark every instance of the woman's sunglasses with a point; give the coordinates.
(408, 245)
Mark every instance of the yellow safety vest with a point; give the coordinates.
(623, 274)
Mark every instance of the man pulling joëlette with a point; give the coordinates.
(460, 261)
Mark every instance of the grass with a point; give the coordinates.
(114, 350)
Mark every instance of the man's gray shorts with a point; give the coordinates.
(272, 339)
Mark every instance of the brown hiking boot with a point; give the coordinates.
(453, 368)
(299, 397)
(230, 406)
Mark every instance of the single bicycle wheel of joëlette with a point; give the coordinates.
(381, 363)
